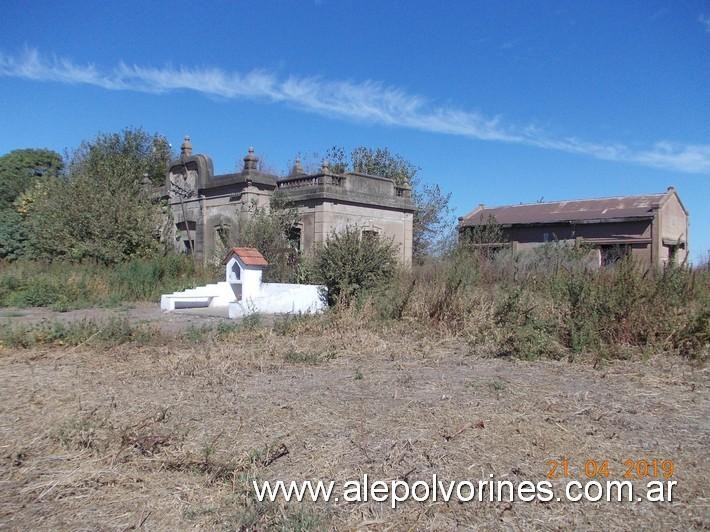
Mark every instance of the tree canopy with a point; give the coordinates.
(268, 230)
(433, 219)
(20, 172)
(103, 209)
(20, 169)
(123, 158)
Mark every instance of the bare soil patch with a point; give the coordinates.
(168, 437)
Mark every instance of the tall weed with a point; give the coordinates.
(65, 286)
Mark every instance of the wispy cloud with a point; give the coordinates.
(367, 101)
(705, 21)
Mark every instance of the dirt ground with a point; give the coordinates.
(168, 436)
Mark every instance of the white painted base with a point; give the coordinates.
(281, 298)
(273, 298)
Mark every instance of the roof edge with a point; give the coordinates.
(673, 192)
(600, 198)
(580, 221)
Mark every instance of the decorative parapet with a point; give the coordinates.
(351, 187)
(312, 181)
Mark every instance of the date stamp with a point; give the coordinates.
(632, 469)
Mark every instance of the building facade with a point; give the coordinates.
(652, 228)
(207, 209)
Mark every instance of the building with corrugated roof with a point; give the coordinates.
(653, 228)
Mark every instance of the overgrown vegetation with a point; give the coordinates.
(66, 286)
(545, 303)
(84, 232)
(86, 332)
(97, 206)
(268, 230)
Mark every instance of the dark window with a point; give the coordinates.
(294, 238)
(189, 226)
(612, 254)
(222, 235)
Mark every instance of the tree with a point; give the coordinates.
(489, 232)
(123, 158)
(337, 159)
(13, 234)
(20, 169)
(433, 220)
(20, 172)
(433, 217)
(380, 161)
(270, 231)
(103, 210)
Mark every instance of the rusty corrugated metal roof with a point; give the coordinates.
(568, 211)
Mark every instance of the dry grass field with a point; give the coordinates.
(167, 434)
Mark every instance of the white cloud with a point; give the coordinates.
(705, 21)
(367, 101)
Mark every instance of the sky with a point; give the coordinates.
(497, 102)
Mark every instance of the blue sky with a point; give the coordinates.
(498, 102)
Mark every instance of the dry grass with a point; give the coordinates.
(168, 436)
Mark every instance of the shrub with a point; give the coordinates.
(349, 263)
(693, 339)
(529, 332)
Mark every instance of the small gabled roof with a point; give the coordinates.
(247, 256)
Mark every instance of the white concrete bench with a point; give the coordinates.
(172, 302)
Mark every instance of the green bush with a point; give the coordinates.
(349, 263)
(528, 332)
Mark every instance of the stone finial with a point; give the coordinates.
(186, 148)
(251, 160)
(325, 166)
(297, 169)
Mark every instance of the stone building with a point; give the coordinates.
(652, 228)
(206, 209)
